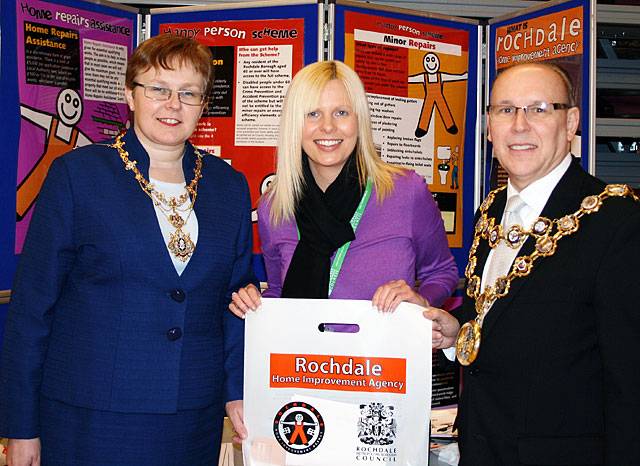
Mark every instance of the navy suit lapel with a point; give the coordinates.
(564, 199)
(197, 262)
(568, 194)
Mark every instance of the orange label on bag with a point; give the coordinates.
(335, 372)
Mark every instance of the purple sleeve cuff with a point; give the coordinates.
(271, 293)
(434, 293)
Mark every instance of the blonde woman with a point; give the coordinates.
(332, 192)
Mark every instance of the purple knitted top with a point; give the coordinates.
(402, 238)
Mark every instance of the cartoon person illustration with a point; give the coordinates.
(433, 82)
(454, 171)
(298, 430)
(61, 137)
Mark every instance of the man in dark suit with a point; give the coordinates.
(549, 349)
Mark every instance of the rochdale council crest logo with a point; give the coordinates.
(298, 427)
(376, 425)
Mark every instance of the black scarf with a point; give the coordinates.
(323, 222)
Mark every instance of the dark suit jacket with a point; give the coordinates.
(557, 379)
(96, 295)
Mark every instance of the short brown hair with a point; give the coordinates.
(165, 50)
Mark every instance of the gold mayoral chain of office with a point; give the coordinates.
(546, 233)
(180, 243)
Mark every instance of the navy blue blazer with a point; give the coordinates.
(100, 319)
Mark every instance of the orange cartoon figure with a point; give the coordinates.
(433, 80)
(298, 431)
(61, 137)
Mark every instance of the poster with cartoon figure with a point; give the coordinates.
(432, 80)
(416, 71)
(62, 135)
(71, 66)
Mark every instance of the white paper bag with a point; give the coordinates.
(320, 398)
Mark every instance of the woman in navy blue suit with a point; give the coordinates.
(118, 349)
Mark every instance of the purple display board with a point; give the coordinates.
(71, 65)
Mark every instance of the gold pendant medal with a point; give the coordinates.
(180, 245)
(468, 342)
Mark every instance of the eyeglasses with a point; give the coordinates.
(533, 112)
(163, 93)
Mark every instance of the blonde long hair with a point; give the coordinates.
(302, 97)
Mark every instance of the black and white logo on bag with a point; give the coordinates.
(298, 427)
(376, 425)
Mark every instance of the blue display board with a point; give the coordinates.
(558, 33)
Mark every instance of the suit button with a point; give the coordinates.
(178, 295)
(474, 371)
(174, 333)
